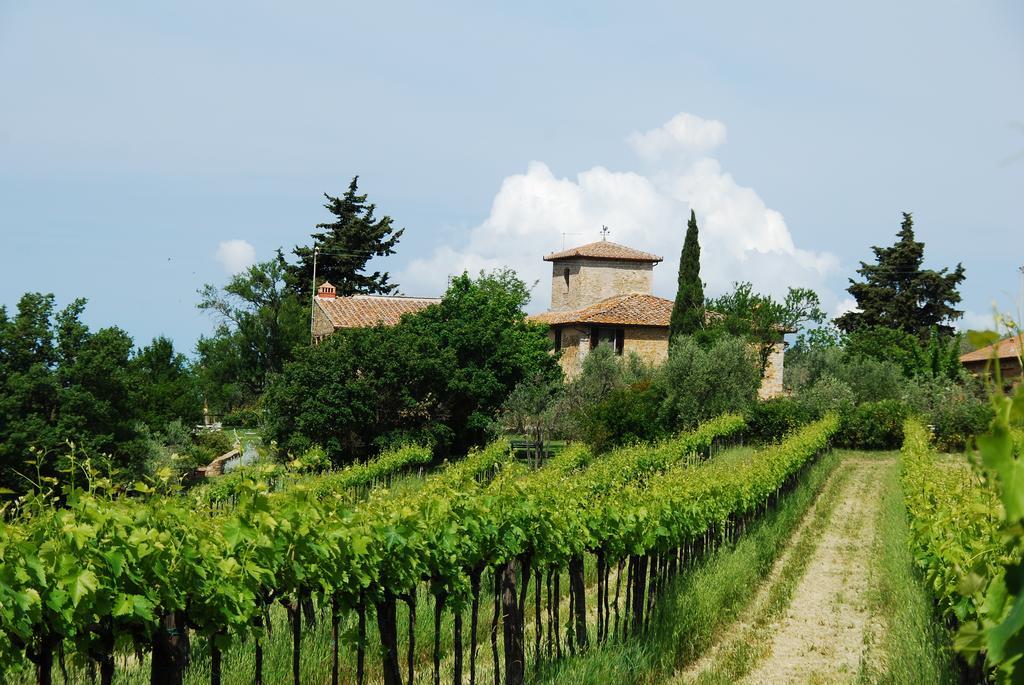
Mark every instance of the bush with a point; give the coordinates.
(769, 420)
(874, 426)
(626, 416)
(208, 445)
(698, 384)
(828, 394)
(313, 460)
(956, 412)
(242, 417)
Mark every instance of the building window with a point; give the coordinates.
(558, 340)
(565, 275)
(613, 337)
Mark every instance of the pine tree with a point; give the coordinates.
(346, 245)
(897, 293)
(688, 310)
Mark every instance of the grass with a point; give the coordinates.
(709, 596)
(743, 650)
(914, 647)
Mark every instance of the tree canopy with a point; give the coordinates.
(62, 384)
(259, 324)
(346, 245)
(760, 319)
(440, 375)
(688, 310)
(898, 293)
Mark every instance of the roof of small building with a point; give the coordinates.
(633, 309)
(604, 249)
(1004, 349)
(363, 311)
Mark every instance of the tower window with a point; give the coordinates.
(565, 275)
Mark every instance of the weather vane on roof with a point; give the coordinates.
(604, 232)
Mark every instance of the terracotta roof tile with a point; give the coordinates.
(604, 249)
(635, 309)
(363, 311)
(1004, 349)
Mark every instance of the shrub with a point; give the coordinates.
(313, 460)
(627, 415)
(698, 384)
(874, 426)
(242, 417)
(769, 420)
(828, 394)
(956, 412)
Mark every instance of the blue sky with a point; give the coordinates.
(135, 138)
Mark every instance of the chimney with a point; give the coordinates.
(326, 291)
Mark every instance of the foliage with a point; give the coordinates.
(688, 310)
(438, 376)
(996, 585)
(955, 518)
(242, 417)
(769, 420)
(937, 356)
(626, 415)
(61, 383)
(259, 325)
(828, 395)
(313, 460)
(165, 388)
(137, 560)
(760, 319)
(874, 426)
(346, 245)
(897, 293)
(697, 383)
(956, 412)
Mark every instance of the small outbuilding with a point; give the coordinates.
(1006, 352)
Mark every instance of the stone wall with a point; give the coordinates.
(593, 280)
(322, 326)
(650, 344)
(771, 384)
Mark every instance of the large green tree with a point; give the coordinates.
(346, 245)
(898, 293)
(688, 310)
(61, 383)
(440, 375)
(761, 319)
(165, 388)
(259, 324)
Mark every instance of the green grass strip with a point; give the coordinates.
(710, 595)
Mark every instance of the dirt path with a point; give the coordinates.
(821, 636)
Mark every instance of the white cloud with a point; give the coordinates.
(682, 133)
(847, 304)
(236, 255)
(741, 238)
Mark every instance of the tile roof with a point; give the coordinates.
(604, 249)
(363, 311)
(1004, 349)
(634, 309)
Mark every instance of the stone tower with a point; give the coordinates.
(585, 275)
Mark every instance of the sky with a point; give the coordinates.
(149, 148)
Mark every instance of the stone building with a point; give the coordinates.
(601, 295)
(331, 312)
(1007, 353)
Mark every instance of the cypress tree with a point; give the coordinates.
(688, 311)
